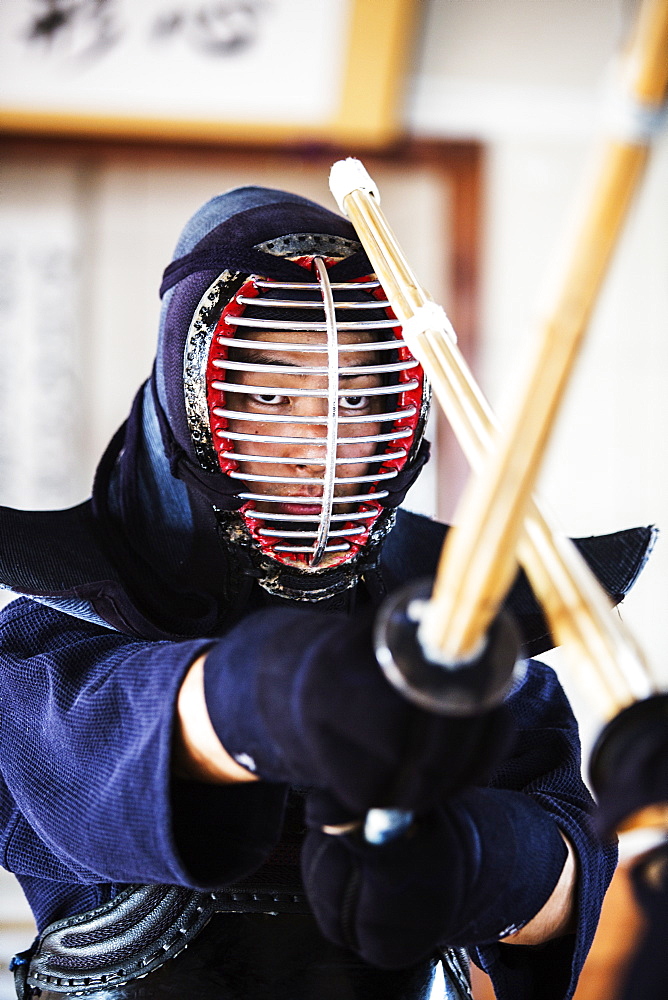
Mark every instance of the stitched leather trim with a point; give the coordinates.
(138, 931)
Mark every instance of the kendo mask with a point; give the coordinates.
(304, 408)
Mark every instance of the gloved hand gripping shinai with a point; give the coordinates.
(298, 696)
(473, 869)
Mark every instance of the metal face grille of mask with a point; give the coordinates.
(314, 404)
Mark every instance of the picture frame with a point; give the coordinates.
(273, 72)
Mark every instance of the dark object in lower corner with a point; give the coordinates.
(629, 762)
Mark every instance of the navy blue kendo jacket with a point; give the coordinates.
(88, 803)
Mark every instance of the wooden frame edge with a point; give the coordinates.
(369, 113)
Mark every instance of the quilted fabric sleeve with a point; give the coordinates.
(86, 719)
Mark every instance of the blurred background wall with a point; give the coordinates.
(531, 81)
(87, 227)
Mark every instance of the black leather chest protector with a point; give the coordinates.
(255, 939)
(252, 956)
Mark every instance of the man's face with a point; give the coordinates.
(306, 420)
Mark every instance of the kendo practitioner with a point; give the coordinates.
(195, 727)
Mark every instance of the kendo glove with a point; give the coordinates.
(297, 696)
(629, 762)
(474, 869)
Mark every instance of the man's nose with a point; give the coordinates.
(309, 439)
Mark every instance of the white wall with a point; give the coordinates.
(491, 68)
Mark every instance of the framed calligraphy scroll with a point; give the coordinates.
(228, 71)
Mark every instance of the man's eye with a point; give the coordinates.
(268, 399)
(355, 402)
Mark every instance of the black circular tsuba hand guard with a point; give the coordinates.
(469, 688)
